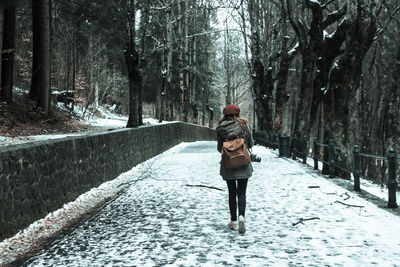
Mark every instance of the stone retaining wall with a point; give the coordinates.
(38, 178)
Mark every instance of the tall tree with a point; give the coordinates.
(132, 63)
(257, 66)
(286, 55)
(41, 66)
(2, 6)
(392, 123)
(310, 36)
(345, 77)
(8, 52)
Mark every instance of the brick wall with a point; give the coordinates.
(38, 178)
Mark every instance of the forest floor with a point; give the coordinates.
(23, 118)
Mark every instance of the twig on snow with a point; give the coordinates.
(313, 186)
(345, 194)
(349, 205)
(301, 220)
(206, 186)
(333, 193)
(140, 176)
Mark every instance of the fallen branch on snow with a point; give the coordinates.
(140, 177)
(206, 186)
(349, 205)
(301, 220)
(345, 194)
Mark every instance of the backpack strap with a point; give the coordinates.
(231, 136)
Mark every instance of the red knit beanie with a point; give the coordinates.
(231, 110)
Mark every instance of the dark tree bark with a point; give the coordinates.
(142, 62)
(286, 56)
(168, 50)
(7, 69)
(260, 84)
(2, 6)
(182, 30)
(34, 88)
(281, 80)
(331, 49)
(317, 54)
(41, 66)
(344, 80)
(310, 45)
(160, 89)
(132, 63)
(44, 57)
(266, 100)
(392, 121)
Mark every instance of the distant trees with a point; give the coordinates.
(169, 52)
(179, 52)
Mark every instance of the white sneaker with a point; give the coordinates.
(232, 224)
(242, 227)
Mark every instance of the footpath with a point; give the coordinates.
(167, 218)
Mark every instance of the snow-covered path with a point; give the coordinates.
(160, 221)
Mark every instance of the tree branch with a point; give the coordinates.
(345, 194)
(334, 17)
(301, 220)
(349, 205)
(327, 3)
(140, 178)
(206, 186)
(382, 30)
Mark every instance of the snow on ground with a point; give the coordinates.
(161, 220)
(106, 120)
(27, 240)
(377, 190)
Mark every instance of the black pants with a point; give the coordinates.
(237, 188)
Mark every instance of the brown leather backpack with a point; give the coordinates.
(235, 153)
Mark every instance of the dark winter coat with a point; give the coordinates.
(233, 126)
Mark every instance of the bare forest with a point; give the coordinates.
(324, 69)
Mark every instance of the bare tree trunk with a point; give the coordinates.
(34, 88)
(132, 63)
(344, 80)
(193, 81)
(169, 54)
(41, 69)
(44, 57)
(160, 90)
(281, 93)
(227, 67)
(392, 118)
(306, 93)
(2, 7)
(74, 61)
(142, 62)
(257, 65)
(182, 62)
(7, 80)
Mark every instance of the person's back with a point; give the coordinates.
(234, 125)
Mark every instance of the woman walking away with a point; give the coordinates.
(232, 126)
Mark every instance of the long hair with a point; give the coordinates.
(242, 121)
